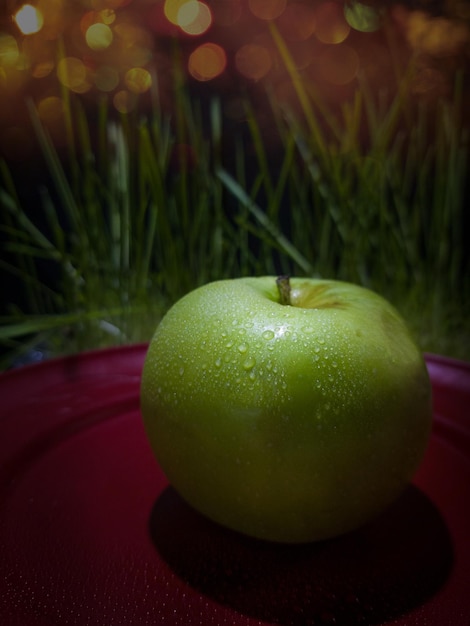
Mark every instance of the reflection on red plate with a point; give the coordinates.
(91, 533)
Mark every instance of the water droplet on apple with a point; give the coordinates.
(229, 344)
(181, 371)
(308, 330)
(321, 341)
(268, 335)
(316, 349)
(218, 362)
(249, 364)
(334, 364)
(242, 348)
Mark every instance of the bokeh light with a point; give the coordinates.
(72, 74)
(207, 61)
(135, 45)
(99, 36)
(107, 16)
(124, 101)
(172, 9)
(331, 26)
(138, 80)
(253, 61)
(9, 51)
(115, 47)
(267, 9)
(51, 110)
(436, 36)
(42, 68)
(339, 64)
(194, 18)
(364, 18)
(29, 19)
(297, 22)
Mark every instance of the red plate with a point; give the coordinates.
(91, 533)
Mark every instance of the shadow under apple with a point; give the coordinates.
(370, 576)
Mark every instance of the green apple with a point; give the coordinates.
(289, 410)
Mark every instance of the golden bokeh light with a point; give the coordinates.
(29, 19)
(135, 45)
(172, 8)
(253, 61)
(437, 36)
(267, 9)
(339, 64)
(72, 74)
(99, 36)
(138, 80)
(107, 16)
(332, 26)
(297, 22)
(124, 101)
(207, 61)
(9, 51)
(194, 18)
(51, 110)
(116, 47)
(42, 69)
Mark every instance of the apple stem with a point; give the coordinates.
(283, 286)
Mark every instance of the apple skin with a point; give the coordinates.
(290, 423)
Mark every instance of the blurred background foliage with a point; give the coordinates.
(149, 146)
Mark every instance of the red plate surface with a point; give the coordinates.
(91, 533)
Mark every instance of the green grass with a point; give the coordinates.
(367, 193)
